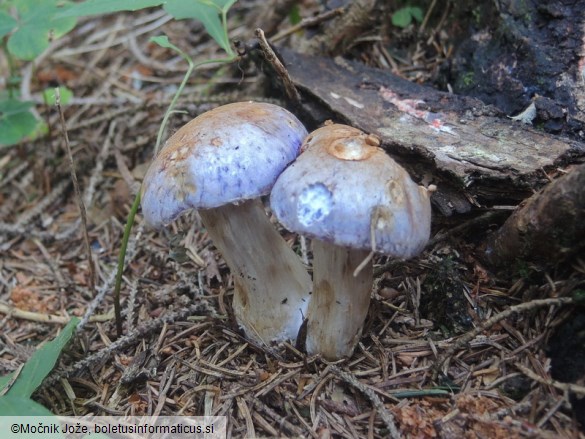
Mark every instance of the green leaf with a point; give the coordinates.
(19, 406)
(403, 16)
(65, 93)
(95, 7)
(5, 380)
(224, 5)
(207, 13)
(10, 106)
(416, 13)
(294, 15)
(41, 363)
(7, 23)
(163, 41)
(16, 121)
(36, 26)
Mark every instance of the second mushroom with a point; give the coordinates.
(353, 199)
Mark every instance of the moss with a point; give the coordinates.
(468, 79)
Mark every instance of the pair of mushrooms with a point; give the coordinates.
(343, 191)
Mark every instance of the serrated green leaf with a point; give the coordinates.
(95, 7)
(7, 23)
(16, 121)
(37, 24)
(41, 363)
(20, 406)
(65, 93)
(206, 13)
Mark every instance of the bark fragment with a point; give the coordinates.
(473, 152)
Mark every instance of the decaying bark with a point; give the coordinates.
(548, 227)
(473, 152)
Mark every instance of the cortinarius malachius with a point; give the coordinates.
(220, 163)
(353, 199)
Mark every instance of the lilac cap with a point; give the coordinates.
(344, 188)
(229, 154)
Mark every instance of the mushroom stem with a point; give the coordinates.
(340, 301)
(272, 286)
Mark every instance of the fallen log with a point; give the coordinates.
(476, 155)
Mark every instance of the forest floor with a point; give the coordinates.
(432, 361)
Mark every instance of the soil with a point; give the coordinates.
(522, 52)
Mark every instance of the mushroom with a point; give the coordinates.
(353, 199)
(220, 163)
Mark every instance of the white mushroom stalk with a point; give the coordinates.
(271, 284)
(340, 301)
(350, 197)
(221, 163)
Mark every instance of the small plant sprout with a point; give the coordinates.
(220, 163)
(353, 200)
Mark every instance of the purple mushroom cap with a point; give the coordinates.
(229, 154)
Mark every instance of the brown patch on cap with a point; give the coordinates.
(244, 110)
(351, 148)
(395, 191)
(343, 142)
(372, 140)
(186, 189)
(383, 218)
(185, 141)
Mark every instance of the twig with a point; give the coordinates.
(68, 52)
(42, 205)
(277, 418)
(97, 173)
(427, 16)
(135, 336)
(17, 171)
(169, 375)
(245, 413)
(480, 220)
(272, 59)
(371, 395)
(131, 304)
(341, 33)
(19, 230)
(308, 22)
(92, 278)
(565, 387)
(528, 306)
(47, 318)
